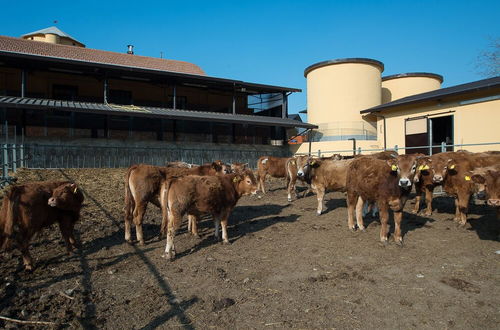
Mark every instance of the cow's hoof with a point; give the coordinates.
(318, 213)
(196, 236)
(28, 268)
(362, 228)
(414, 212)
(129, 241)
(289, 199)
(384, 242)
(353, 229)
(226, 242)
(399, 242)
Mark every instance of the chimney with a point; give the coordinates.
(130, 49)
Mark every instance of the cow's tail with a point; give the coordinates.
(165, 206)
(129, 198)
(9, 215)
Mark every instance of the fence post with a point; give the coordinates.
(443, 146)
(319, 153)
(14, 159)
(5, 165)
(396, 148)
(359, 150)
(21, 154)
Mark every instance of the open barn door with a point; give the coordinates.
(417, 135)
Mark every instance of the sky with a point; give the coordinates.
(272, 42)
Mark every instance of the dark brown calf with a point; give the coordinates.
(274, 166)
(199, 195)
(385, 182)
(30, 207)
(142, 186)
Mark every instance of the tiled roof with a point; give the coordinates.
(38, 48)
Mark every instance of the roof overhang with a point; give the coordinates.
(242, 86)
(153, 112)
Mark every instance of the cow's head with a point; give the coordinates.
(220, 167)
(404, 166)
(245, 182)
(306, 165)
(238, 167)
(442, 167)
(423, 169)
(487, 181)
(67, 197)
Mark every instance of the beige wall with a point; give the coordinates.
(328, 148)
(473, 123)
(54, 39)
(397, 88)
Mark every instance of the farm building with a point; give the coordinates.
(56, 90)
(351, 102)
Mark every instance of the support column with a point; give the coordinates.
(234, 100)
(175, 100)
(23, 83)
(105, 90)
(284, 106)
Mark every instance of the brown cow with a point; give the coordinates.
(198, 195)
(385, 182)
(451, 169)
(274, 166)
(324, 175)
(180, 164)
(488, 181)
(30, 207)
(142, 186)
(238, 167)
(292, 165)
(424, 183)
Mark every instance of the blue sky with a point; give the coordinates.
(272, 42)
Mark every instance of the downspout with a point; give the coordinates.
(385, 134)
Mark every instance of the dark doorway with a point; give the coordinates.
(416, 135)
(441, 130)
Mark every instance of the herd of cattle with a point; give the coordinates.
(383, 180)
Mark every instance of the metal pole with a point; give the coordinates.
(105, 90)
(443, 146)
(396, 148)
(23, 83)
(21, 147)
(14, 159)
(234, 99)
(353, 146)
(309, 139)
(175, 97)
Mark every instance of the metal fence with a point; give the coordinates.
(38, 156)
(430, 148)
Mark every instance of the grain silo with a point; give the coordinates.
(401, 85)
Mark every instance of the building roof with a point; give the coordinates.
(438, 94)
(51, 30)
(342, 61)
(140, 111)
(88, 55)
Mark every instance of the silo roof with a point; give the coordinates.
(414, 74)
(51, 30)
(344, 60)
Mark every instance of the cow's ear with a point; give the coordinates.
(393, 164)
(452, 165)
(478, 178)
(237, 179)
(245, 165)
(216, 166)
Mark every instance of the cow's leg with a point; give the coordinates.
(290, 187)
(24, 247)
(428, 201)
(217, 226)
(359, 213)
(262, 178)
(223, 222)
(418, 197)
(384, 221)
(193, 225)
(352, 199)
(320, 196)
(457, 211)
(128, 223)
(66, 226)
(463, 208)
(398, 217)
(173, 225)
(139, 211)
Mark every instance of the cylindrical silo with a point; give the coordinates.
(402, 85)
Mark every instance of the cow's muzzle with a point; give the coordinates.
(437, 179)
(404, 183)
(481, 194)
(300, 174)
(52, 202)
(494, 202)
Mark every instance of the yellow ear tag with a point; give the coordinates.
(425, 167)
(74, 191)
(452, 166)
(394, 168)
(467, 178)
(421, 167)
(313, 162)
(235, 179)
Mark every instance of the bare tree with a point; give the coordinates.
(488, 61)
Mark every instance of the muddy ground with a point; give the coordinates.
(286, 268)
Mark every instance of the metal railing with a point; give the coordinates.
(429, 148)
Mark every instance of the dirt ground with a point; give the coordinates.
(286, 268)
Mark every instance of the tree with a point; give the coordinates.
(488, 61)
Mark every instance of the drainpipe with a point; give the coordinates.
(385, 134)
(353, 146)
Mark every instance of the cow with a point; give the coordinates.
(180, 164)
(424, 183)
(197, 195)
(385, 182)
(324, 175)
(238, 167)
(451, 169)
(274, 166)
(487, 180)
(30, 207)
(142, 186)
(292, 165)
